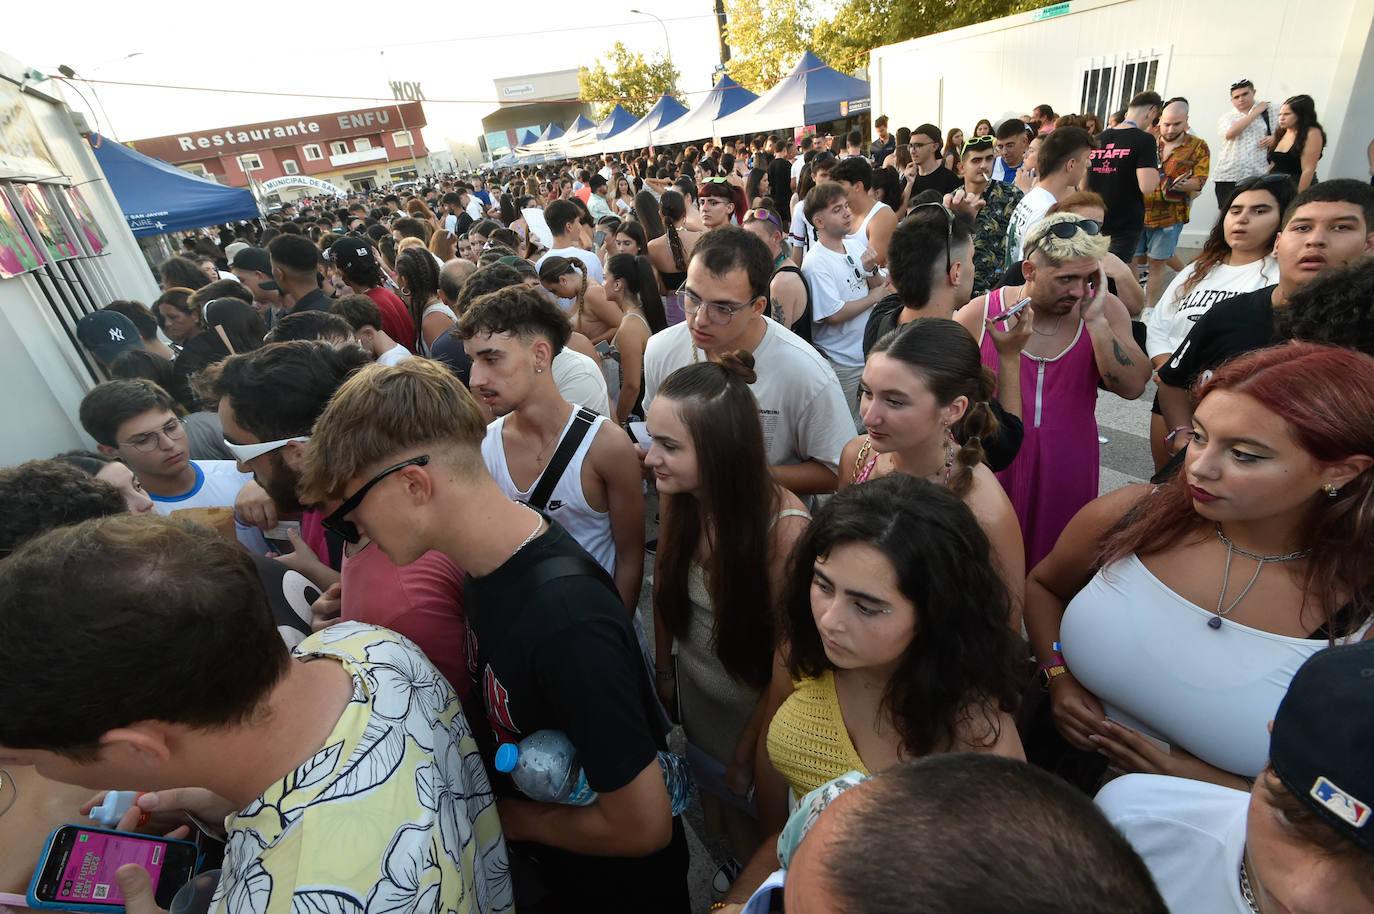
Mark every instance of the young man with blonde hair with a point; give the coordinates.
(401, 448)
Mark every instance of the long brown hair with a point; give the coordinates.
(1326, 395)
(738, 499)
(674, 206)
(1217, 249)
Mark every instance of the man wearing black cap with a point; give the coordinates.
(1302, 840)
(253, 267)
(295, 268)
(359, 270)
(107, 334)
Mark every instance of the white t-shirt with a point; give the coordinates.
(836, 279)
(1029, 211)
(394, 356)
(1190, 834)
(450, 223)
(581, 381)
(800, 404)
(594, 269)
(802, 233)
(217, 485)
(1175, 314)
(1242, 157)
(474, 208)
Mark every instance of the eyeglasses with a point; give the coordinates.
(246, 452)
(1065, 230)
(720, 313)
(337, 522)
(976, 143)
(174, 430)
(949, 230)
(757, 214)
(915, 145)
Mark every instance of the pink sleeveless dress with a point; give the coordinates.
(1056, 471)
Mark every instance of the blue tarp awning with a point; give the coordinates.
(726, 98)
(157, 198)
(582, 123)
(812, 94)
(645, 131)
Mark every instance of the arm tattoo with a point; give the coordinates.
(1122, 358)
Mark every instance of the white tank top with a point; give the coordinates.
(567, 503)
(437, 307)
(861, 233)
(1150, 657)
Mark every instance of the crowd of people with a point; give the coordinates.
(373, 479)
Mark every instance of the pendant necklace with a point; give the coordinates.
(1214, 623)
(1057, 325)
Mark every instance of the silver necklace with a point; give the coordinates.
(1214, 623)
(1245, 889)
(1056, 326)
(538, 525)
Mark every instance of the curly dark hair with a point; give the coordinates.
(44, 494)
(962, 662)
(1336, 307)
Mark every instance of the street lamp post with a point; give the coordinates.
(666, 45)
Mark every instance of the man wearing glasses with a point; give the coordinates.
(805, 420)
(136, 421)
(1012, 143)
(931, 173)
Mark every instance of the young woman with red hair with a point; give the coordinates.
(1177, 615)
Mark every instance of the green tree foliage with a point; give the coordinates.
(621, 73)
(766, 37)
(861, 25)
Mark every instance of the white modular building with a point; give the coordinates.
(1091, 56)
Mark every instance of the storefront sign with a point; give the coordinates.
(1049, 12)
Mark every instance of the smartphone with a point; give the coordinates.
(599, 238)
(1014, 310)
(76, 871)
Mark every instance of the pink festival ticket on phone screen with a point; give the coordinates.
(90, 873)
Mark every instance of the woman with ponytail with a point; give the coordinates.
(726, 531)
(593, 314)
(632, 286)
(924, 400)
(670, 251)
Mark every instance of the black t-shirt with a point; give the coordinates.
(314, 300)
(1232, 327)
(1111, 173)
(562, 656)
(449, 350)
(1002, 446)
(941, 179)
(878, 150)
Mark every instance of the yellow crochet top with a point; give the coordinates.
(807, 740)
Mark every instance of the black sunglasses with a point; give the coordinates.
(337, 520)
(1066, 230)
(949, 229)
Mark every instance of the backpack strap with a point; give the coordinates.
(581, 424)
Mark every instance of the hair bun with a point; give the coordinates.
(740, 364)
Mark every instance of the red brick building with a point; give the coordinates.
(362, 149)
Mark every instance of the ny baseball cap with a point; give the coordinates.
(1322, 747)
(257, 260)
(107, 334)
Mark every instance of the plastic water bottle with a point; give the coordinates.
(544, 767)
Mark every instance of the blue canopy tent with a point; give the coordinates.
(582, 123)
(812, 94)
(543, 149)
(157, 198)
(619, 119)
(726, 98)
(644, 132)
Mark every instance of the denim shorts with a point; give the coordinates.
(1160, 243)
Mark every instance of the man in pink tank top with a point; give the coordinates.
(1081, 334)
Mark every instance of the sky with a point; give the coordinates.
(355, 49)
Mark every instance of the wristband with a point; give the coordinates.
(667, 675)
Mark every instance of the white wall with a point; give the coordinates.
(42, 377)
(1324, 48)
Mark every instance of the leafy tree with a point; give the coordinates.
(766, 37)
(861, 25)
(621, 73)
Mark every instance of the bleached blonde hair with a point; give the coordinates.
(1055, 250)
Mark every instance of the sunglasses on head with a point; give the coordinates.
(760, 214)
(977, 142)
(1065, 230)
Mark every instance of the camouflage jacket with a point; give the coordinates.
(990, 236)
